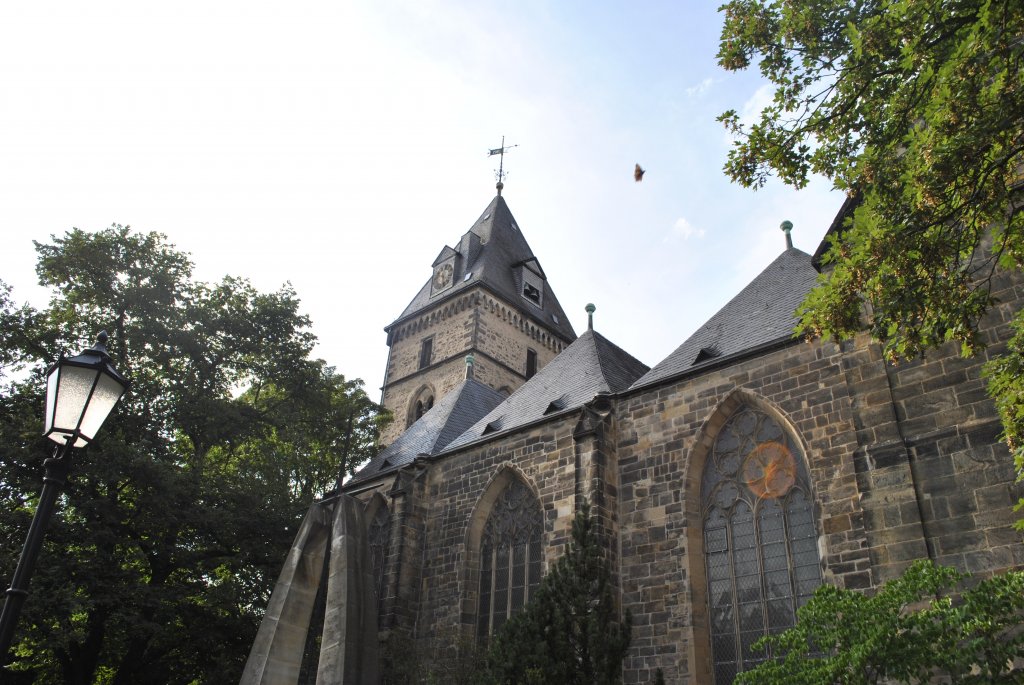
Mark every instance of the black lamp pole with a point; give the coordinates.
(56, 475)
(80, 393)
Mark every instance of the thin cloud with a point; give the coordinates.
(685, 230)
(761, 98)
(701, 88)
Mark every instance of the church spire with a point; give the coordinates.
(487, 296)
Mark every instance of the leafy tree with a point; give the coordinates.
(917, 628)
(569, 632)
(916, 109)
(314, 435)
(160, 559)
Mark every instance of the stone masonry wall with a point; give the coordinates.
(505, 337)
(960, 471)
(457, 489)
(496, 334)
(399, 397)
(663, 437)
(905, 463)
(451, 337)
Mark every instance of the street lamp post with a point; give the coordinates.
(81, 391)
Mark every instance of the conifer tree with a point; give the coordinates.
(569, 633)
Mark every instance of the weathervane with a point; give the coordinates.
(500, 173)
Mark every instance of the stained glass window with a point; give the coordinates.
(760, 544)
(510, 557)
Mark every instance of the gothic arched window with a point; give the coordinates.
(420, 404)
(760, 544)
(423, 406)
(378, 536)
(510, 557)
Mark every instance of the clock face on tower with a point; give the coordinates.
(442, 276)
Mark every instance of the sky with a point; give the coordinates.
(339, 146)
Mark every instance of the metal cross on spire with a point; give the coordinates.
(500, 173)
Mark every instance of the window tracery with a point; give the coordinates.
(760, 543)
(510, 557)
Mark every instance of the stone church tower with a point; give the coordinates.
(487, 297)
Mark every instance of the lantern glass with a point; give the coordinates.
(74, 386)
(80, 394)
(105, 395)
(51, 399)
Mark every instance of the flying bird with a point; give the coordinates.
(638, 174)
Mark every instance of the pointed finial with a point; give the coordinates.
(786, 227)
(469, 366)
(590, 315)
(100, 346)
(500, 173)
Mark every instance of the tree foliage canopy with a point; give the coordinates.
(569, 632)
(916, 109)
(160, 559)
(915, 629)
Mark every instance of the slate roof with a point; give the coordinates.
(446, 420)
(762, 313)
(590, 365)
(490, 253)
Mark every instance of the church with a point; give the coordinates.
(727, 481)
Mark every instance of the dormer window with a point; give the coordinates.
(705, 354)
(555, 406)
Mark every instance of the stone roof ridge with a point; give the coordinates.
(763, 311)
(590, 365)
(450, 417)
